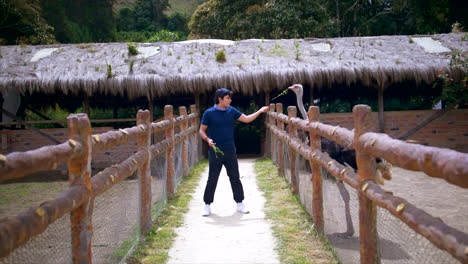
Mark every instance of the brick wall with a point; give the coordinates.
(448, 131)
(24, 140)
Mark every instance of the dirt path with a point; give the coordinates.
(226, 236)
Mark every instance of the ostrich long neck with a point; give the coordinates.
(301, 106)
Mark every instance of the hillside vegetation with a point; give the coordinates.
(76, 21)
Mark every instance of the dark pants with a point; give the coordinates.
(229, 160)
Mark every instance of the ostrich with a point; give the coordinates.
(344, 156)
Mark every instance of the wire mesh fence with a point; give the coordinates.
(397, 242)
(115, 212)
(52, 246)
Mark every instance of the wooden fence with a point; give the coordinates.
(78, 151)
(446, 164)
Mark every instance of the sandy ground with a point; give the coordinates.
(397, 242)
(226, 236)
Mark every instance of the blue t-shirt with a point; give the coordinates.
(221, 126)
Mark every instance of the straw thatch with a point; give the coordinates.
(251, 65)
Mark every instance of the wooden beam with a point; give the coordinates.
(366, 172)
(381, 109)
(86, 105)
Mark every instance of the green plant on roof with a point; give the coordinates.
(297, 51)
(191, 60)
(132, 49)
(464, 37)
(397, 61)
(221, 56)
(375, 56)
(217, 150)
(169, 53)
(339, 56)
(166, 36)
(109, 71)
(24, 64)
(260, 47)
(380, 43)
(131, 65)
(96, 68)
(191, 52)
(411, 40)
(178, 57)
(78, 60)
(284, 92)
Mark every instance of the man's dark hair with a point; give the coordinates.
(221, 92)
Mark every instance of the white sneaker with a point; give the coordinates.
(206, 210)
(241, 208)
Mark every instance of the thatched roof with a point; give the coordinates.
(251, 65)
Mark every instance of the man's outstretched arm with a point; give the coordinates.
(247, 119)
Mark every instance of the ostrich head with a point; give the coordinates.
(299, 91)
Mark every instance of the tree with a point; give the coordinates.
(78, 21)
(149, 14)
(258, 18)
(22, 21)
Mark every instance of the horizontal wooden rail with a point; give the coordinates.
(340, 135)
(105, 179)
(446, 164)
(18, 164)
(32, 122)
(78, 200)
(113, 138)
(161, 125)
(338, 170)
(441, 235)
(414, 157)
(17, 231)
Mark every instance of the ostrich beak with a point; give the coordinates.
(292, 87)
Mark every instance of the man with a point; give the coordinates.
(219, 121)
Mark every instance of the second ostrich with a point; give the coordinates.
(344, 156)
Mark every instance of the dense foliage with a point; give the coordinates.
(257, 19)
(301, 19)
(74, 21)
(77, 21)
(22, 21)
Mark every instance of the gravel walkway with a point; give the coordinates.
(226, 236)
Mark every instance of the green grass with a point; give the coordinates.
(298, 242)
(186, 7)
(155, 247)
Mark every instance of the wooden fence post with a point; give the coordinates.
(169, 133)
(144, 172)
(183, 127)
(279, 149)
(317, 196)
(272, 136)
(193, 123)
(363, 123)
(79, 173)
(292, 112)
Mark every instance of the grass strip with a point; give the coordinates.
(298, 241)
(155, 247)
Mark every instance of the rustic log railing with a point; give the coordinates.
(78, 200)
(446, 164)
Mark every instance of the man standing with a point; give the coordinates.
(219, 120)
